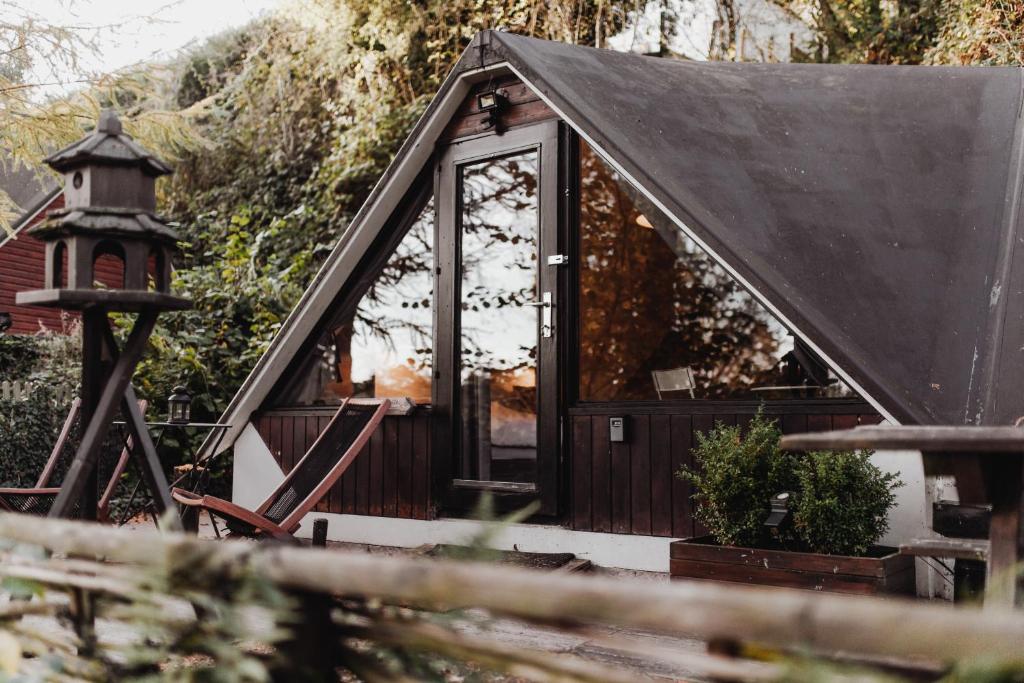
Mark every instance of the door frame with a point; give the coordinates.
(543, 137)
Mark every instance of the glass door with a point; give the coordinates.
(497, 226)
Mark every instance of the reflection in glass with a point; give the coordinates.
(381, 346)
(656, 312)
(498, 367)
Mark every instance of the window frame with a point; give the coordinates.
(359, 282)
(573, 319)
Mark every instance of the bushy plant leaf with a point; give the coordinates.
(843, 502)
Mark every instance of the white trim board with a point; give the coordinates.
(26, 219)
(621, 551)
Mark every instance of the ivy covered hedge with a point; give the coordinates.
(30, 428)
(18, 356)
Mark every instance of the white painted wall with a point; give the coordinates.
(255, 473)
(911, 517)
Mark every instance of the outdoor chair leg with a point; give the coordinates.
(213, 522)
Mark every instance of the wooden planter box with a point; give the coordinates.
(885, 571)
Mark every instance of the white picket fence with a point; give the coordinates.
(20, 390)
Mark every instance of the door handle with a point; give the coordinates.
(546, 303)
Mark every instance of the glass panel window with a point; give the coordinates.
(498, 246)
(379, 346)
(660, 319)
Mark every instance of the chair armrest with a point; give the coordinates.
(226, 508)
(45, 491)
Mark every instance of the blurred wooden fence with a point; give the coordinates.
(937, 637)
(20, 390)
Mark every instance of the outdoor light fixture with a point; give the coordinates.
(5, 321)
(779, 516)
(492, 102)
(642, 221)
(179, 406)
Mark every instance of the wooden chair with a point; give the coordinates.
(38, 500)
(308, 482)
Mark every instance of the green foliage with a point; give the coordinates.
(910, 31)
(979, 32)
(736, 476)
(18, 356)
(305, 110)
(48, 361)
(29, 427)
(843, 501)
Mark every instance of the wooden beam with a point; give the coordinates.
(149, 463)
(87, 455)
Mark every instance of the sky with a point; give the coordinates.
(148, 29)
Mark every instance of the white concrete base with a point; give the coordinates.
(643, 553)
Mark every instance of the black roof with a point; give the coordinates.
(876, 208)
(29, 190)
(107, 144)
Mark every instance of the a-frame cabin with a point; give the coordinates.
(581, 259)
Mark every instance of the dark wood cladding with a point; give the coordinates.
(884, 572)
(631, 487)
(389, 478)
(523, 107)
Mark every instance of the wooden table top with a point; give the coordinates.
(959, 439)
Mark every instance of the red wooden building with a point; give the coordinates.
(21, 255)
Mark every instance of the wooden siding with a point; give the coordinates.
(523, 107)
(631, 487)
(389, 478)
(22, 264)
(624, 488)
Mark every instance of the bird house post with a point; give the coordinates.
(110, 211)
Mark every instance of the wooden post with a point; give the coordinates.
(1003, 585)
(93, 375)
(320, 532)
(109, 389)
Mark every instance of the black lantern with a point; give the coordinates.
(179, 406)
(5, 321)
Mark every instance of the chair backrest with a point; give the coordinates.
(323, 464)
(58, 448)
(676, 379)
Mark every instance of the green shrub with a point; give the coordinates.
(29, 428)
(18, 356)
(843, 502)
(736, 476)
